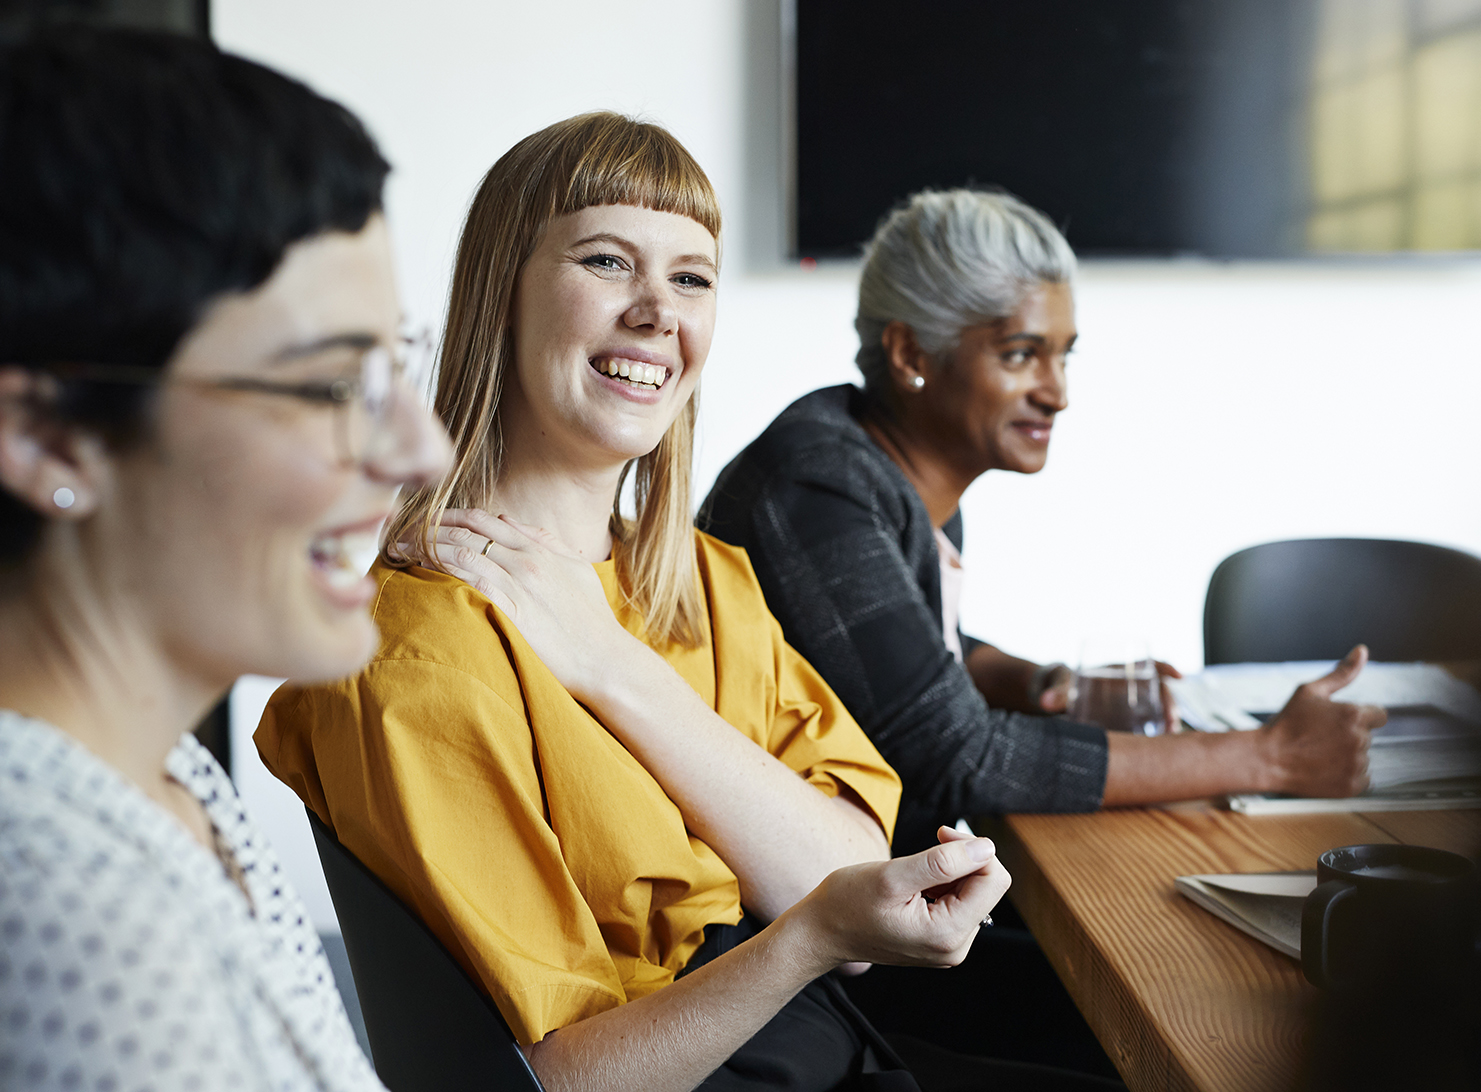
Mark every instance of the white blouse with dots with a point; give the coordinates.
(130, 960)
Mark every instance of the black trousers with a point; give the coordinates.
(821, 1042)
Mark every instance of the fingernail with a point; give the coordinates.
(981, 849)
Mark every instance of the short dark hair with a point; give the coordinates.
(142, 176)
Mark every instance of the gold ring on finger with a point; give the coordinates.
(485, 551)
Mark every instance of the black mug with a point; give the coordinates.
(1384, 909)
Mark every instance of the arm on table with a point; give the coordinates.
(1314, 747)
(671, 1040)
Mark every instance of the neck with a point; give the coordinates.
(573, 505)
(939, 483)
(81, 661)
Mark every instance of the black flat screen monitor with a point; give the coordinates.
(1224, 128)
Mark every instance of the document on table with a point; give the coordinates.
(1266, 905)
(1427, 756)
(1227, 696)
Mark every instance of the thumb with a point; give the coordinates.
(942, 864)
(1341, 675)
(1056, 699)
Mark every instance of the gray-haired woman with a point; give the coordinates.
(847, 505)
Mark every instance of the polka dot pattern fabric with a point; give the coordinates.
(130, 960)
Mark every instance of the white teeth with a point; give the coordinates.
(361, 551)
(342, 578)
(651, 375)
(345, 558)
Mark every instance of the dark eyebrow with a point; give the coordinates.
(609, 237)
(361, 341)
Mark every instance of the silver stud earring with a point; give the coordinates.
(64, 497)
(917, 381)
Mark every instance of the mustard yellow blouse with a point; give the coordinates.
(526, 836)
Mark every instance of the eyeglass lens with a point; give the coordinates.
(365, 420)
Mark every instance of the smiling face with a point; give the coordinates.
(237, 527)
(613, 316)
(992, 405)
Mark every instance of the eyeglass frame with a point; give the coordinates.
(339, 393)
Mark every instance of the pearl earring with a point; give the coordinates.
(64, 497)
(917, 381)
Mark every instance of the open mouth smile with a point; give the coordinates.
(344, 557)
(648, 377)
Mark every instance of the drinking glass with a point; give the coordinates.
(1117, 687)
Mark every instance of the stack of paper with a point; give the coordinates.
(1266, 905)
(1427, 756)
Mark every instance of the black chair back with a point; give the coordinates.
(1313, 599)
(431, 1028)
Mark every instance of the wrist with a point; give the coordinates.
(1267, 774)
(618, 673)
(805, 941)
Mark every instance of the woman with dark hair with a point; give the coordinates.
(204, 418)
(584, 753)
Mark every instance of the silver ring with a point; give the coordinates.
(485, 551)
(986, 921)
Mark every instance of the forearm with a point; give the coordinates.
(1142, 770)
(779, 834)
(1004, 681)
(671, 1040)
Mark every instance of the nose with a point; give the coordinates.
(1052, 394)
(412, 448)
(653, 308)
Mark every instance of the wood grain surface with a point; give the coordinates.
(1179, 999)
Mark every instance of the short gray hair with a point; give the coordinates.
(947, 260)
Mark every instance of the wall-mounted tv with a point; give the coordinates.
(1224, 128)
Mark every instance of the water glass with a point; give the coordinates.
(1117, 687)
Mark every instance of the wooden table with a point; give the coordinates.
(1179, 999)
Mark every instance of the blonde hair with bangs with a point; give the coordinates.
(593, 159)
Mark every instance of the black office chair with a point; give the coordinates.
(431, 1028)
(1313, 599)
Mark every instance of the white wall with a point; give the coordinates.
(1215, 406)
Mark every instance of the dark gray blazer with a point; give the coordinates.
(847, 558)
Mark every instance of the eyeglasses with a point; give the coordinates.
(363, 396)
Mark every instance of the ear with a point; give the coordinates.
(908, 363)
(54, 468)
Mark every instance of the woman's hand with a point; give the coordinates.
(1314, 747)
(1054, 683)
(923, 910)
(546, 590)
(1319, 747)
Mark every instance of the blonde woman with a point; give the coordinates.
(584, 753)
